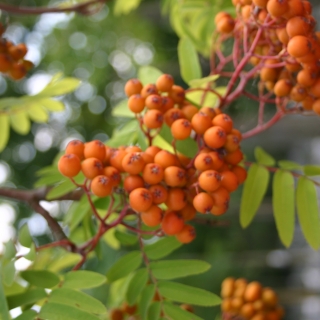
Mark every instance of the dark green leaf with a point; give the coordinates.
(188, 60)
(186, 294)
(4, 311)
(28, 297)
(154, 311)
(83, 279)
(148, 74)
(136, 285)
(162, 248)
(263, 157)
(124, 266)
(289, 165)
(174, 312)
(27, 315)
(283, 205)
(126, 239)
(58, 311)
(40, 278)
(78, 300)
(25, 238)
(310, 170)
(172, 269)
(254, 190)
(307, 206)
(145, 300)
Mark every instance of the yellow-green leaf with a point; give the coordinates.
(283, 205)
(4, 130)
(148, 74)
(125, 6)
(308, 213)
(60, 87)
(203, 81)
(37, 113)
(263, 157)
(20, 122)
(52, 105)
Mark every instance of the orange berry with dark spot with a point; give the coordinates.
(69, 165)
(221, 196)
(224, 121)
(113, 174)
(165, 82)
(18, 52)
(5, 62)
(152, 217)
(177, 93)
(203, 202)
(95, 149)
(218, 210)
(153, 173)
(232, 143)
(133, 163)
(201, 122)
(75, 147)
(132, 182)
(277, 7)
(215, 137)
(181, 129)
(203, 161)
(172, 223)
(175, 176)
(186, 235)
(153, 119)
(101, 186)
(148, 90)
(172, 115)
(189, 111)
(116, 158)
(140, 199)
(299, 46)
(282, 87)
(209, 180)
(229, 180)
(165, 159)
(167, 104)
(154, 101)
(159, 193)
(136, 103)
(188, 212)
(92, 167)
(210, 112)
(17, 71)
(133, 86)
(176, 199)
(234, 157)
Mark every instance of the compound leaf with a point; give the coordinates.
(136, 285)
(162, 248)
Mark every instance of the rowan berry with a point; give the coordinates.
(282, 87)
(307, 102)
(220, 15)
(113, 174)
(189, 111)
(153, 119)
(298, 93)
(101, 186)
(181, 129)
(203, 161)
(172, 223)
(152, 217)
(188, 212)
(176, 199)
(232, 143)
(75, 147)
(159, 193)
(132, 182)
(152, 150)
(140, 199)
(167, 104)
(186, 235)
(227, 287)
(234, 157)
(209, 180)
(315, 89)
(136, 103)
(18, 52)
(154, 101)
(5, 62)
(215, 137)
(201, 122)
(299, 46)
(247, 310)
(164, 83)
(17, 71)
(316, 106)
(133, 86)
(221, 196)
(269, 297)
(153, 173)
(116, 158)
(282, 35)
(295, 8)
(218, 210)
(260, 3)
(95, 149)
(299, 25)
(229, 180)
(131, 310)
(211, 112)
(203, 202)
(116, 314)
(133, 163)
(253, 291)
(69, 165)
(240, 172)
(225, 24)
(91, 167)
(217, 160)
(165, 159)
(148, 90)
(277, 8)
(177, 93)
(172, 115)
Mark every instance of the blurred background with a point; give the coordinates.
(104, 51)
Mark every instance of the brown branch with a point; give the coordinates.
(87, 8)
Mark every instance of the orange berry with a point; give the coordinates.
(152, 217)
(260, 3)
(153, 119)
(189, 111)
(181, 129)
(175, 176)
(165, 159)
(176, 199)
(164, 83)
(225, 24)
(148, 90)
(269, 297)
(152, 150)
(209, 180)
(154, 101)
(240, 172)
(277, 7)
(18, 52)
(217, 160)
(224, 121)
(316, 106)
(299, 46)
(253, 291)
(95, 149)
(203, 202)
(227, 287)
(203, 161)
(167, 104)
(133, 163)
(215, 137)
(234, 157)
(113, 174)
(101, 186)
(69, 165)
(201, 122)
(188, 212)
(172, 223)
(295, 8)
(76, 147)
(211, 112)
(116, 158)
(159, 193)
(315, 89)
(17, 71)
(232, 143)
(133, 86)
(298, 25)
(218, 210)
(132, 182)
(282, 35)
(172, 115)
(298, 93)
(282, 87)
(247, 310)
(177, 94)
(221, 196)
(307, 77)
(5, 62)
(140, 199)
(136, 103)
(229, 180)
(187, 234)
(91, 167)
(152, 173)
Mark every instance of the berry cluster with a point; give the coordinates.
(12, 60)
(249, 301)
(162, 187)
(280, 41)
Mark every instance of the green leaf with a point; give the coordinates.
(20, 122)
(83, 279)
(310, 170)
(145, 300)
(125, 6)
(66, 260)
(8, 272)
(27, 315)
(200, 98)
(122, 110)
(263, 157)
(40, 278)
(25, 238)
(78, 300)
(126, 239)
(307, 206)
(37, 113)
(174, 312)
(60, 87)
(4, 130)
(58, 311)
(28, 297)
(31, 255)
(186, 294)
(162, 248)
(203, 81)
(154, 311)
(188, 60)
(4, 311)
(60, 190)
(51, 104)
(136, 285)
(126, 135)
(148, 74)
(172, 269)
(9, 250)
(254, 190)
(283, 205)
(289, 165)
(125, 265)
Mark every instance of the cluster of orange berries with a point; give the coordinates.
(287, 50)
(12, 60)
(165, 188)
(249, 301)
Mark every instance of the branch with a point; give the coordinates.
(88, 8)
